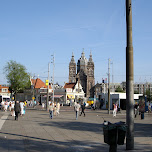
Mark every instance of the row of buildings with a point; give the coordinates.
(81, 85)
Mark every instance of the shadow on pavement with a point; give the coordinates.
(81, 126)
(98, 128)
(140, 130)
(39, 144)
(21, 143)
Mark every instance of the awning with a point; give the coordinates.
(57, 96)
(70, 96)
(45, 95)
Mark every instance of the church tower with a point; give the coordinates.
(90, 76)
(82, 71)
(72, 70)
(82, 64)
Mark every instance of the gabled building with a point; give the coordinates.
(4, 91)
(38, 90)
(73, 91)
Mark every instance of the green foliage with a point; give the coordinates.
(136, 92)
(149, 96)
(119, 89)
(17, 76)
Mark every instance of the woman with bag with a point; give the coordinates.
(51, 108)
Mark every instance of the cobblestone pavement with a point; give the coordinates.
(36, 132)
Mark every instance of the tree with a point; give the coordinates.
(16, 76)
(136, 92)
(119, 89)
(149, 96)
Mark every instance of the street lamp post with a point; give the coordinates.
(47, 100)
(108, 86)
(53, 74)
(129, 79)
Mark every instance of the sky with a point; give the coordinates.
(33, 30)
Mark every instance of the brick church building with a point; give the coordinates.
(83, 73)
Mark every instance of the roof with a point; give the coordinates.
(33, 81)
(62, 90)
(38, 83)
(4, 87)
(69, 85)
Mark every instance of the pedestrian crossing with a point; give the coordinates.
(3, 119)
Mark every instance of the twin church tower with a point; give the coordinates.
(83, 73)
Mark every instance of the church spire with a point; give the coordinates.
(72, 59)
(82, 54)
(90, 58)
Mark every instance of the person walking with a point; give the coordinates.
(58, 108)
(17, 109)
(82, 108)
(77, 107)
(74, 103)
(22, 107)
(25, 104)
(51, 108)
(114, 110)
(5, 106)
(149, 108)
(10, 105)
(136, 109)
(55, 109)
(12, 109)
(43, 105)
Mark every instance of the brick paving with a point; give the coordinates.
(36, 132)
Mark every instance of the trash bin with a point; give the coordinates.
(142, 115)
(114, 134)
(110, 134)
(121, 134)
(105, 132)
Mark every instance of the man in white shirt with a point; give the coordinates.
(22, 107)
(77, 107)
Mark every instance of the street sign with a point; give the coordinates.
(33, 98)
(47, 82)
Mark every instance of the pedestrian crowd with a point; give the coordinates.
(15, 108)
(54, 109)
(77, 108)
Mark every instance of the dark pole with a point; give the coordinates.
(108, 86)
(47, 100)
(129, 79)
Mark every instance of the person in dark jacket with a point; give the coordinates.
(17, 109)
(82, 108)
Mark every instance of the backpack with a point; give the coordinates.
(84, 104)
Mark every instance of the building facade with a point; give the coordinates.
(38, 90)
(83, 73)
(4, 91)
(74, 91)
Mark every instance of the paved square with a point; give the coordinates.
(36, 132)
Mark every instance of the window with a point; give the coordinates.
(4, 90)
